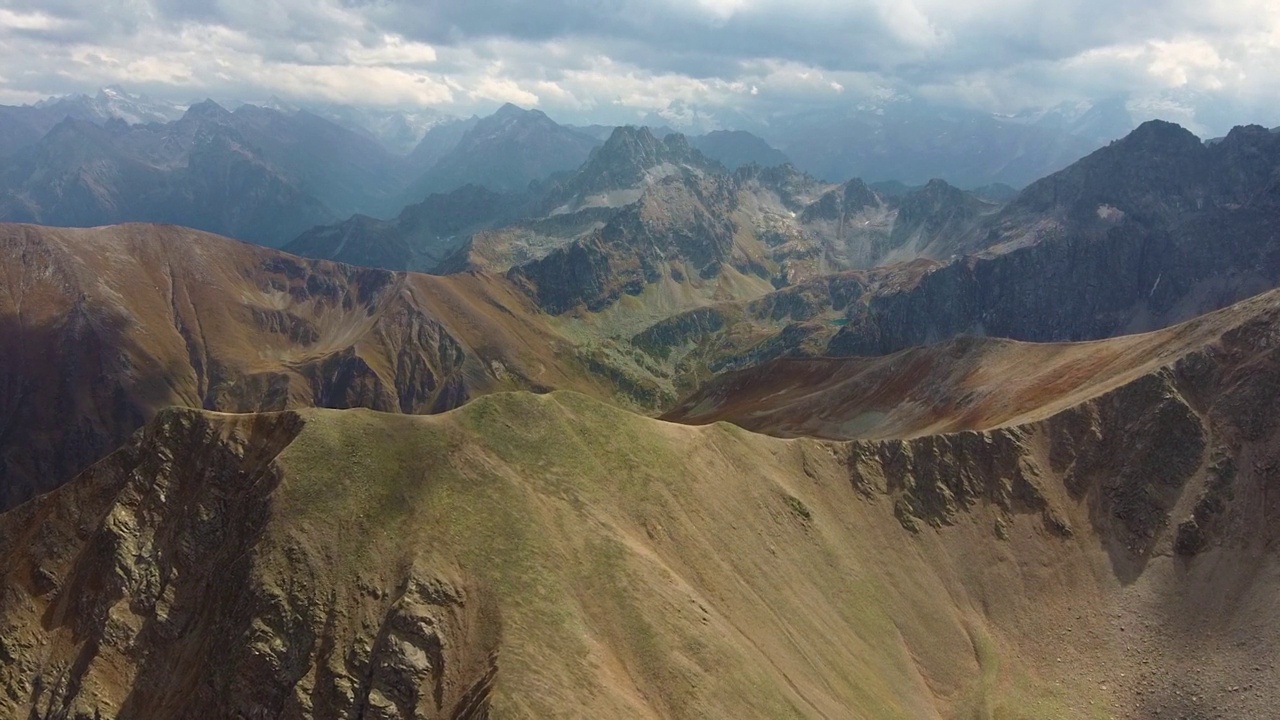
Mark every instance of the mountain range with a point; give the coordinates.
(577, 550)
(270, 171)
(618, 422)
(791, 225)
(253, 173)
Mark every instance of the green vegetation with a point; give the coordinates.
(641, 566)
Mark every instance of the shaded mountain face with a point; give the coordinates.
(735, 148)
(421, 238)
(103, 327)
(505, 152)
(256, 174)
(1156, 178)
(1129, 239)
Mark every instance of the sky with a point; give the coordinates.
(1206, 63)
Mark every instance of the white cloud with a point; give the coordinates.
(615, 60)
(393, 50)
(499, 89)
(10, 20)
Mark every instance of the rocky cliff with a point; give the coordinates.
(169, 554)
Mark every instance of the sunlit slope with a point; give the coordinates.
(610, 565)
(966, 383)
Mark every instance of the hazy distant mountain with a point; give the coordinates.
(735, 148)
(21, 127)
(439, 141)
(254, 174)
(202, 174)
(399, 131)
(112, 103)
(913, 141)
(638, 198)
(602, 132)
(505, 152)
(348, 171)
(1097, 123)
(418, 239)
(24, 125)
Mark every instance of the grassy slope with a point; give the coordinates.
(646, 569)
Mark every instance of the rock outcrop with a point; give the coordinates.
(156, 587)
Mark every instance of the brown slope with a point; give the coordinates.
(100, 328)
(1116, 559)
(965, 384)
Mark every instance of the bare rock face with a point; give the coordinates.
(153, 588)
(683, 220)
(1149, 231)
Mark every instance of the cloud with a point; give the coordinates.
(10, 20)
(700, 61)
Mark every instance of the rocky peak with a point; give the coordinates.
(736, 148)
(939, 213)
(935, 195)
(631, 150)
(1161, 136)
(629, 161)
(505, 151)
(1157, 171)
(680, 222)
(858, 196)
(794, 187)
(844, 200)
(509, 110)
(207, 110)
(510, 119)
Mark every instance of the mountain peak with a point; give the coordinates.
(509, 110)
(1245, 133)
(1161, 132)
(115, 91)
(207, 109)
(631, 159)
(629, 141)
